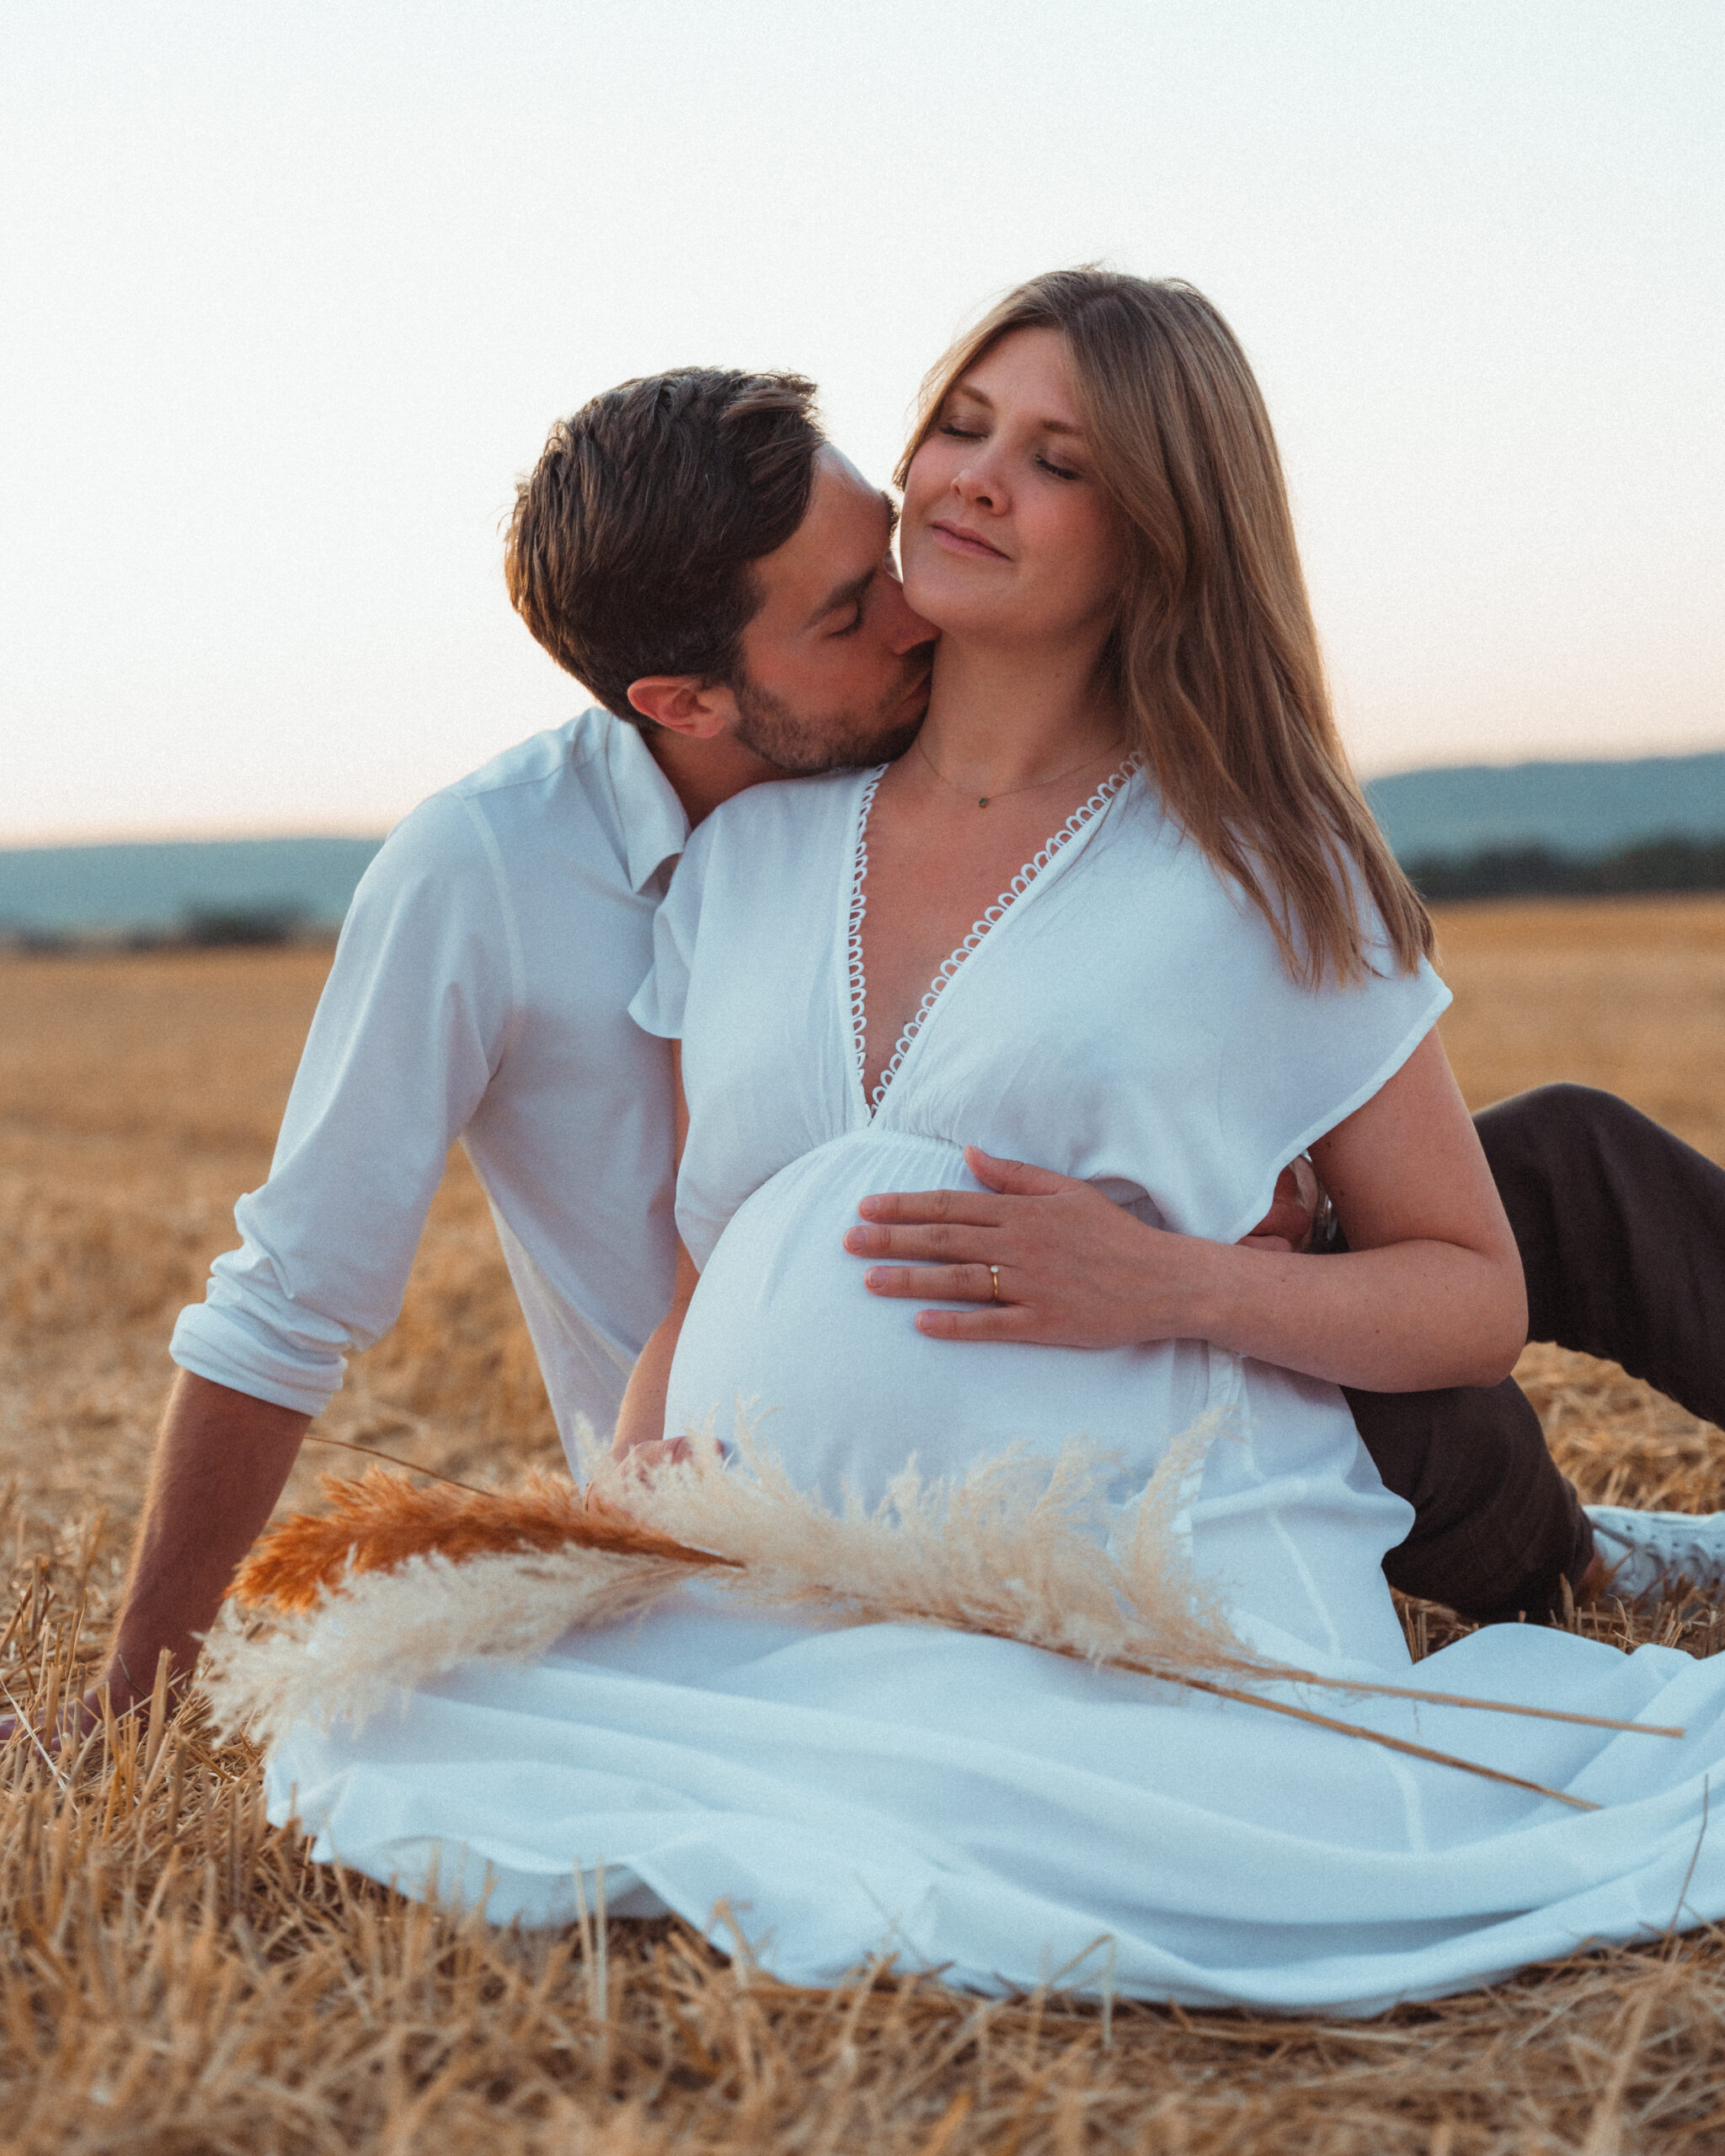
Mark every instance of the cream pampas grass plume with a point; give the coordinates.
(334, 1618)
(1021, 1547)
(363, 1646)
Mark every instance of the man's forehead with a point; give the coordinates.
(843, 536)
(841, 497)
(832, 460)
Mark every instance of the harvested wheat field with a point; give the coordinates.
(174, 1977)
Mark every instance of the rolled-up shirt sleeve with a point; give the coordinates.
(413, 1025)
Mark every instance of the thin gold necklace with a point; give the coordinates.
(1035, 786)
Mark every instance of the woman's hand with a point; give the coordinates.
(1076, 1270)
(645, 1454)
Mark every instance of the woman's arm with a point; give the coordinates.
(1430, 1293)
(641, 1418)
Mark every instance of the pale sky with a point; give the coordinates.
(290, 293)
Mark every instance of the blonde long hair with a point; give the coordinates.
(1214, 656)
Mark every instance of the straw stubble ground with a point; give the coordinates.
(175, 1976)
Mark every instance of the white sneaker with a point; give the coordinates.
(1645, 1552)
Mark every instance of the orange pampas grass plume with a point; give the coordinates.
(376, 1523)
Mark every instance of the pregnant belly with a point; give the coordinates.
(843, 1386)
(1291, 1521)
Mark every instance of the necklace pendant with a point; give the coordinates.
(982, 801)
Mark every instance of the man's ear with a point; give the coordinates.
(681, 702)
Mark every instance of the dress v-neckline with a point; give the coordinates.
(1032, 873)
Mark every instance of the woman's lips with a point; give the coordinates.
(961, 541)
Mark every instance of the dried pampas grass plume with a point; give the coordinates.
(378, 1522)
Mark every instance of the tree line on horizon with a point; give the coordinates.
(1670, 864)
(201, 928)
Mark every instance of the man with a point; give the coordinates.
(691, 548)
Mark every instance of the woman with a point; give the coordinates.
(1060, 1032)
(1119, 911)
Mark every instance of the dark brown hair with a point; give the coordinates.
(1214, 656)
(630, 546)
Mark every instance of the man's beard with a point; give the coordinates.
(796, 745)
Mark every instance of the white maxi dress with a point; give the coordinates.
(976, 1804)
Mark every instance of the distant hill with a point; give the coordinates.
(1578, 809)
(163, 889)
(1473, 830)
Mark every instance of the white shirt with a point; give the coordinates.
(480, 991)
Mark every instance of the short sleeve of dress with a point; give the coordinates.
(1301, 1061)
(659, 1003)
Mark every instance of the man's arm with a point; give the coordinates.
(221, 1460)
(400, 1052)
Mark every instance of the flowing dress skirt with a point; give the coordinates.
(825, 1794)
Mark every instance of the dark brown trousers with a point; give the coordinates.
(1621, 1230)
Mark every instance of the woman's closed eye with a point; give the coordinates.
(956, 433)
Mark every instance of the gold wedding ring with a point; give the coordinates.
(994, 1278)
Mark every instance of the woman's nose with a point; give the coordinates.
(975, 483)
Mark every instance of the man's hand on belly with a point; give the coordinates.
(1047, 1257)
(1293, 1214)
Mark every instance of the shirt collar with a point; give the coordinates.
(655, 826)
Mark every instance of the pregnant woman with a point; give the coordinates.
(1120, 912)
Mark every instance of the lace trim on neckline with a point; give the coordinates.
(1016, 889)
(853, 937)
